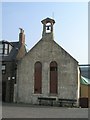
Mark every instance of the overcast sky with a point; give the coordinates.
(70, 29)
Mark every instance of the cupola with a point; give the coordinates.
(47, 26)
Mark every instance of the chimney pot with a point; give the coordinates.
(21, 36)
(21, 30)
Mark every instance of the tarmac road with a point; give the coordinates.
(35, 111)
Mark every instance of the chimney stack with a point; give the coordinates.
(21, 37)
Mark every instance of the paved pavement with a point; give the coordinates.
(35, 111)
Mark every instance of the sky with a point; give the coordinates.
(70, 28)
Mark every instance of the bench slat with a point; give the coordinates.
(67, 101)
(46, 99)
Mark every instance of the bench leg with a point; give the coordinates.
(39, 102)
(72, 104)
(60, 104)
(51, 103)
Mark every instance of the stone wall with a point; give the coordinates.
(45, 51)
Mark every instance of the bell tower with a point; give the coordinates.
(47, 26)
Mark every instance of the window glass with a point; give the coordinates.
(1, 51)
(10, 48)
(1, 48)
(3, 71)
(6, 46)
(3, 67)
(6, 49)
(5, 52)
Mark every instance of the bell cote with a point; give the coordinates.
(47, 26)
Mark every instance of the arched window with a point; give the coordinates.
(53, 77)
(38, 77)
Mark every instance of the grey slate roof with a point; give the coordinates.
(85, 71)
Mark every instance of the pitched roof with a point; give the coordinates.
(48, 20)
(84, 81)
(85, 70)
(12, 55)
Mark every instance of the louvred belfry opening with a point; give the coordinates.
(38, 78)
(53, 77)
(47, 26)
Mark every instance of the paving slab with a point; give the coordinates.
(36, 111)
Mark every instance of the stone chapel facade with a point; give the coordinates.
(47, 70)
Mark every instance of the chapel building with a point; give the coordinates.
(47, 70)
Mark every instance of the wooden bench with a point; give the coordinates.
(44, 99)
(69, 102)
